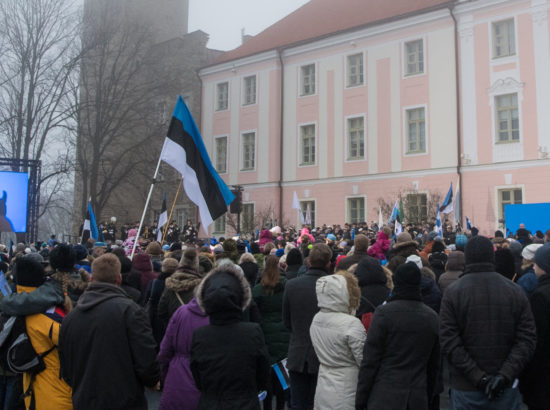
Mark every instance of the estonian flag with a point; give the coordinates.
(468, 224)
(447, 205)
(163, 218)
(185, 151)
(438, 228)
(89, 228)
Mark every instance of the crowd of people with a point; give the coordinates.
(336, 317)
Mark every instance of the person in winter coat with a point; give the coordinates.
(229, 359)
(379, 249)
(338, 338)
(265, 238)
(403, 247)
(179, 286)
(155, 291)
(142, 263)
(107, 349)
(438, 258)
(361, 244)
(528, 279)
(401, 354)
(44, 390)
(453, 269)
(372, 281)
(534, 380)
(299, 308)
(179, 391)
(268, 295)
(130, 288)
(431, 295)
(487, 333)
(294, 262)
(248, 264)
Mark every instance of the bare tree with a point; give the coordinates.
(38, 54)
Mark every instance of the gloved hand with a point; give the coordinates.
(495, 386)
(481, 383)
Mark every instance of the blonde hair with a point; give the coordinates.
(354, 290)
(389, 277)
(270, 275)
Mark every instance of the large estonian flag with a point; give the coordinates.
(185, 151)
(447, 205)
(89, 228)
(163, 218)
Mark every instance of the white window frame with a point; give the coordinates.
(220, 232)
(427, 202)
(301, 80)
(253, 203)
(218, 109)
(404, 54)
(299, 140)
(497, 140)
(215, 151)
(347, 140)
(314, 200)
(499, 188)
(406, 130)
(241, 151)
(507, 57)
(244, 90)
(348, 210)
(347, 68)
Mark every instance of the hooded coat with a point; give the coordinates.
(372, 281)
(401, 251)
(454, 268)
(182, 283)
(142, 263)
(265, 237)
(229, 358)
(338, 339)
(179, 391)
(107, 350)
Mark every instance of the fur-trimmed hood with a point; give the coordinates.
(224, 294)
(183, 280)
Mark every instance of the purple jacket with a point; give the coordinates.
(179, 391)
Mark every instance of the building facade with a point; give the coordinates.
(383, 101)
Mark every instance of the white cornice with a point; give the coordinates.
(469, 6)
(503, 166)
(235, 64)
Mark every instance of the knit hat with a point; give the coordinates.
(205, 265)
(169, 265)
(479, 249)
(218, 249)
(331, 237)
(542, 258)
(35, 257)
(529, 251)
(154, 249)
(190, 258)
(62, 258)
(279, 252)
(361, 243)
(505, 262)
(407, 274)
(100, 245)
(460, 242)
(29, 272)
(80, 252)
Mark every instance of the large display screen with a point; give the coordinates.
(14, 196)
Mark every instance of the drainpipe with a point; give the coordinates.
(458, 114)
(281, 145)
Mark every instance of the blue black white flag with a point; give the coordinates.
(447, 205)
(185, 151)
(468, 224)
(163, 218)
(438, 227)
(457, 205)
(89, 228)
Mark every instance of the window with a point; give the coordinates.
(308, 212)
(356, 210)
(356, 138)
(307, 139)
(223, 96)
(416, 131)
(507, 118)
(307, 73)
(219, 225)
(221, 154)
(417, 208)
(247, 218)
(355, 70)
(414, 53)
(249, 146)
(249, 90)
(183, 213)
(508, 197)
(504, 40)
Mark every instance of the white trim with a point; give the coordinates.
(243, 90)
(505, 166)
(253, 203)
(255, 131)
(514, 58)
(406, 130)
(307, 199)
(299, 140)
(233, 65)
(346, 137)
(315, 65)
(216, 84)
(346, 57)
(346, 207)
(418, 192)
(473, 6)
(215, 153)
(403, 42)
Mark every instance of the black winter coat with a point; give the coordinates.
(534, 380)
(299, 307)
(107, 350)
(486, 327)
(400, 359)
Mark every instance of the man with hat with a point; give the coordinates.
(487, 333)
(534, 380)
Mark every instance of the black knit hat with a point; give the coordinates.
(542, 258)
(63, 258)
(294, 257)
(479, 249)
(407, 275)
(29, 272)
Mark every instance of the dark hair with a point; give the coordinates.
(254, 247)
(294, 257)
(125, 265)
(63, 258)
(270, 275)
(320, 255)
(438, 246)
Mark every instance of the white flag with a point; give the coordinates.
(380, 219)
(398, 227)
(295, 202)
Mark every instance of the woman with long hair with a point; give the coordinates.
(268, 295)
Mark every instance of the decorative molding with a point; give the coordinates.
(233, 65)
(506, 85)
(539, 15)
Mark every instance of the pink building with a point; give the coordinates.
(352, 104)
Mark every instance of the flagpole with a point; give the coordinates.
(145, 209)
(171, 211)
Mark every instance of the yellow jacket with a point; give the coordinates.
(50, 390)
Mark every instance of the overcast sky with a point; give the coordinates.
(224, 19)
